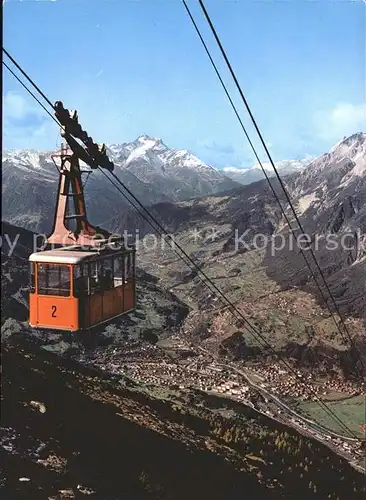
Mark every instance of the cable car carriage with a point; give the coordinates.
(74, 289)
(88, 276)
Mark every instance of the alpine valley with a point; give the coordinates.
(182, 374)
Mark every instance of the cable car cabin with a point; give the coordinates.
(74, 290)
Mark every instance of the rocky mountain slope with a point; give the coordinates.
(175, 172)
(330, 197)
(244, 244)
(330, 200)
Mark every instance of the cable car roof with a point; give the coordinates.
(61, 257)
(75, 253)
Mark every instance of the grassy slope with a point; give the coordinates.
(350, 410)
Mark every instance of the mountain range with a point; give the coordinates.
(274, 291)
(222, 233)
(151, 170)
(329, 196)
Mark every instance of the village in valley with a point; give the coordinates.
(269, 388)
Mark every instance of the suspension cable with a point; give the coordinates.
(234, 309)
(351, 341)
(144, 217)
(30, 92)
(28, 78)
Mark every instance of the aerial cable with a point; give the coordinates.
(278, 177)
(28, 78)
(244, 130)
(281, 183)
(31, 93)
(317, 399)
(234, 309)
(161, 231)
(224, 87)
(57, 122)
(143, 216)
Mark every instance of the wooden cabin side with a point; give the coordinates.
(101, 301)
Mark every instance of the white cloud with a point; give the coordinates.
(25, 125)
(40, 137)
(343, 120)
(17, 107)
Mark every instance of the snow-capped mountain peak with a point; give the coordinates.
(26, 157)
(141, 151)
(147, 138)
(284, 167)
(152, 152)
(357, 140)
(152, 161)
(29, 160)
(341, 170)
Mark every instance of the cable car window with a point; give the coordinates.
(85, 269)
(133, 266)
(53, 275)
(42, 279)
(77, 271)
(100, 273)
(53, 279)
(80, 281)
(128, 267)
(92, 272)
(107, 274)
(118, 270)
(64, 280)
(32, 280)
(125, 260)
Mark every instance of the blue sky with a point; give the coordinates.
(135, 67)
